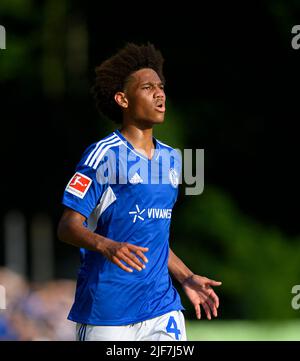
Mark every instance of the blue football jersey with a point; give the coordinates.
(128, 198)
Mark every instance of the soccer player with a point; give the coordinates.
(118, 211)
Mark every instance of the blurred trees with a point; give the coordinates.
(229, 87)
(258, 265)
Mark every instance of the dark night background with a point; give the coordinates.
(232, 86)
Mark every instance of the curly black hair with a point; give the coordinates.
(111, 75)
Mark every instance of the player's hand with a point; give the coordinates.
(199, 291)
(126, 252)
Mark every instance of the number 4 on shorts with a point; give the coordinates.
(172, 327)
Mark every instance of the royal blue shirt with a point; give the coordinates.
(128, 198)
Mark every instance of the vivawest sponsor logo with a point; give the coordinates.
(154, 213)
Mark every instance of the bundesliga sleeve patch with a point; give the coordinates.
(79, 185)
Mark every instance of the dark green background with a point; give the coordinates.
(233, 89)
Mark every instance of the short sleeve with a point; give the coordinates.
(83, 191)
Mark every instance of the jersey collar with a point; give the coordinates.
(131, 147)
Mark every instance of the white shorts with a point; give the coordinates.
(168, 327)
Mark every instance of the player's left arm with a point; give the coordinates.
(197, 288)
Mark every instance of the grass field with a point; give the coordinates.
(217, 330)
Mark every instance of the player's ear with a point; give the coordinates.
(121, 100)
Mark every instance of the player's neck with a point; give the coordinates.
(141, 139)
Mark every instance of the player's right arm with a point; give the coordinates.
(71, 230)
(82, 195)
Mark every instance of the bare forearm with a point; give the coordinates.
(79, 236)
(71, 230)
(177, 268)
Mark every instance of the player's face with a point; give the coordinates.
(146, 98)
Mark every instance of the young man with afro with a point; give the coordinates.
(118, 209)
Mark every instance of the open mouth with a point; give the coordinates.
(160, 107)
